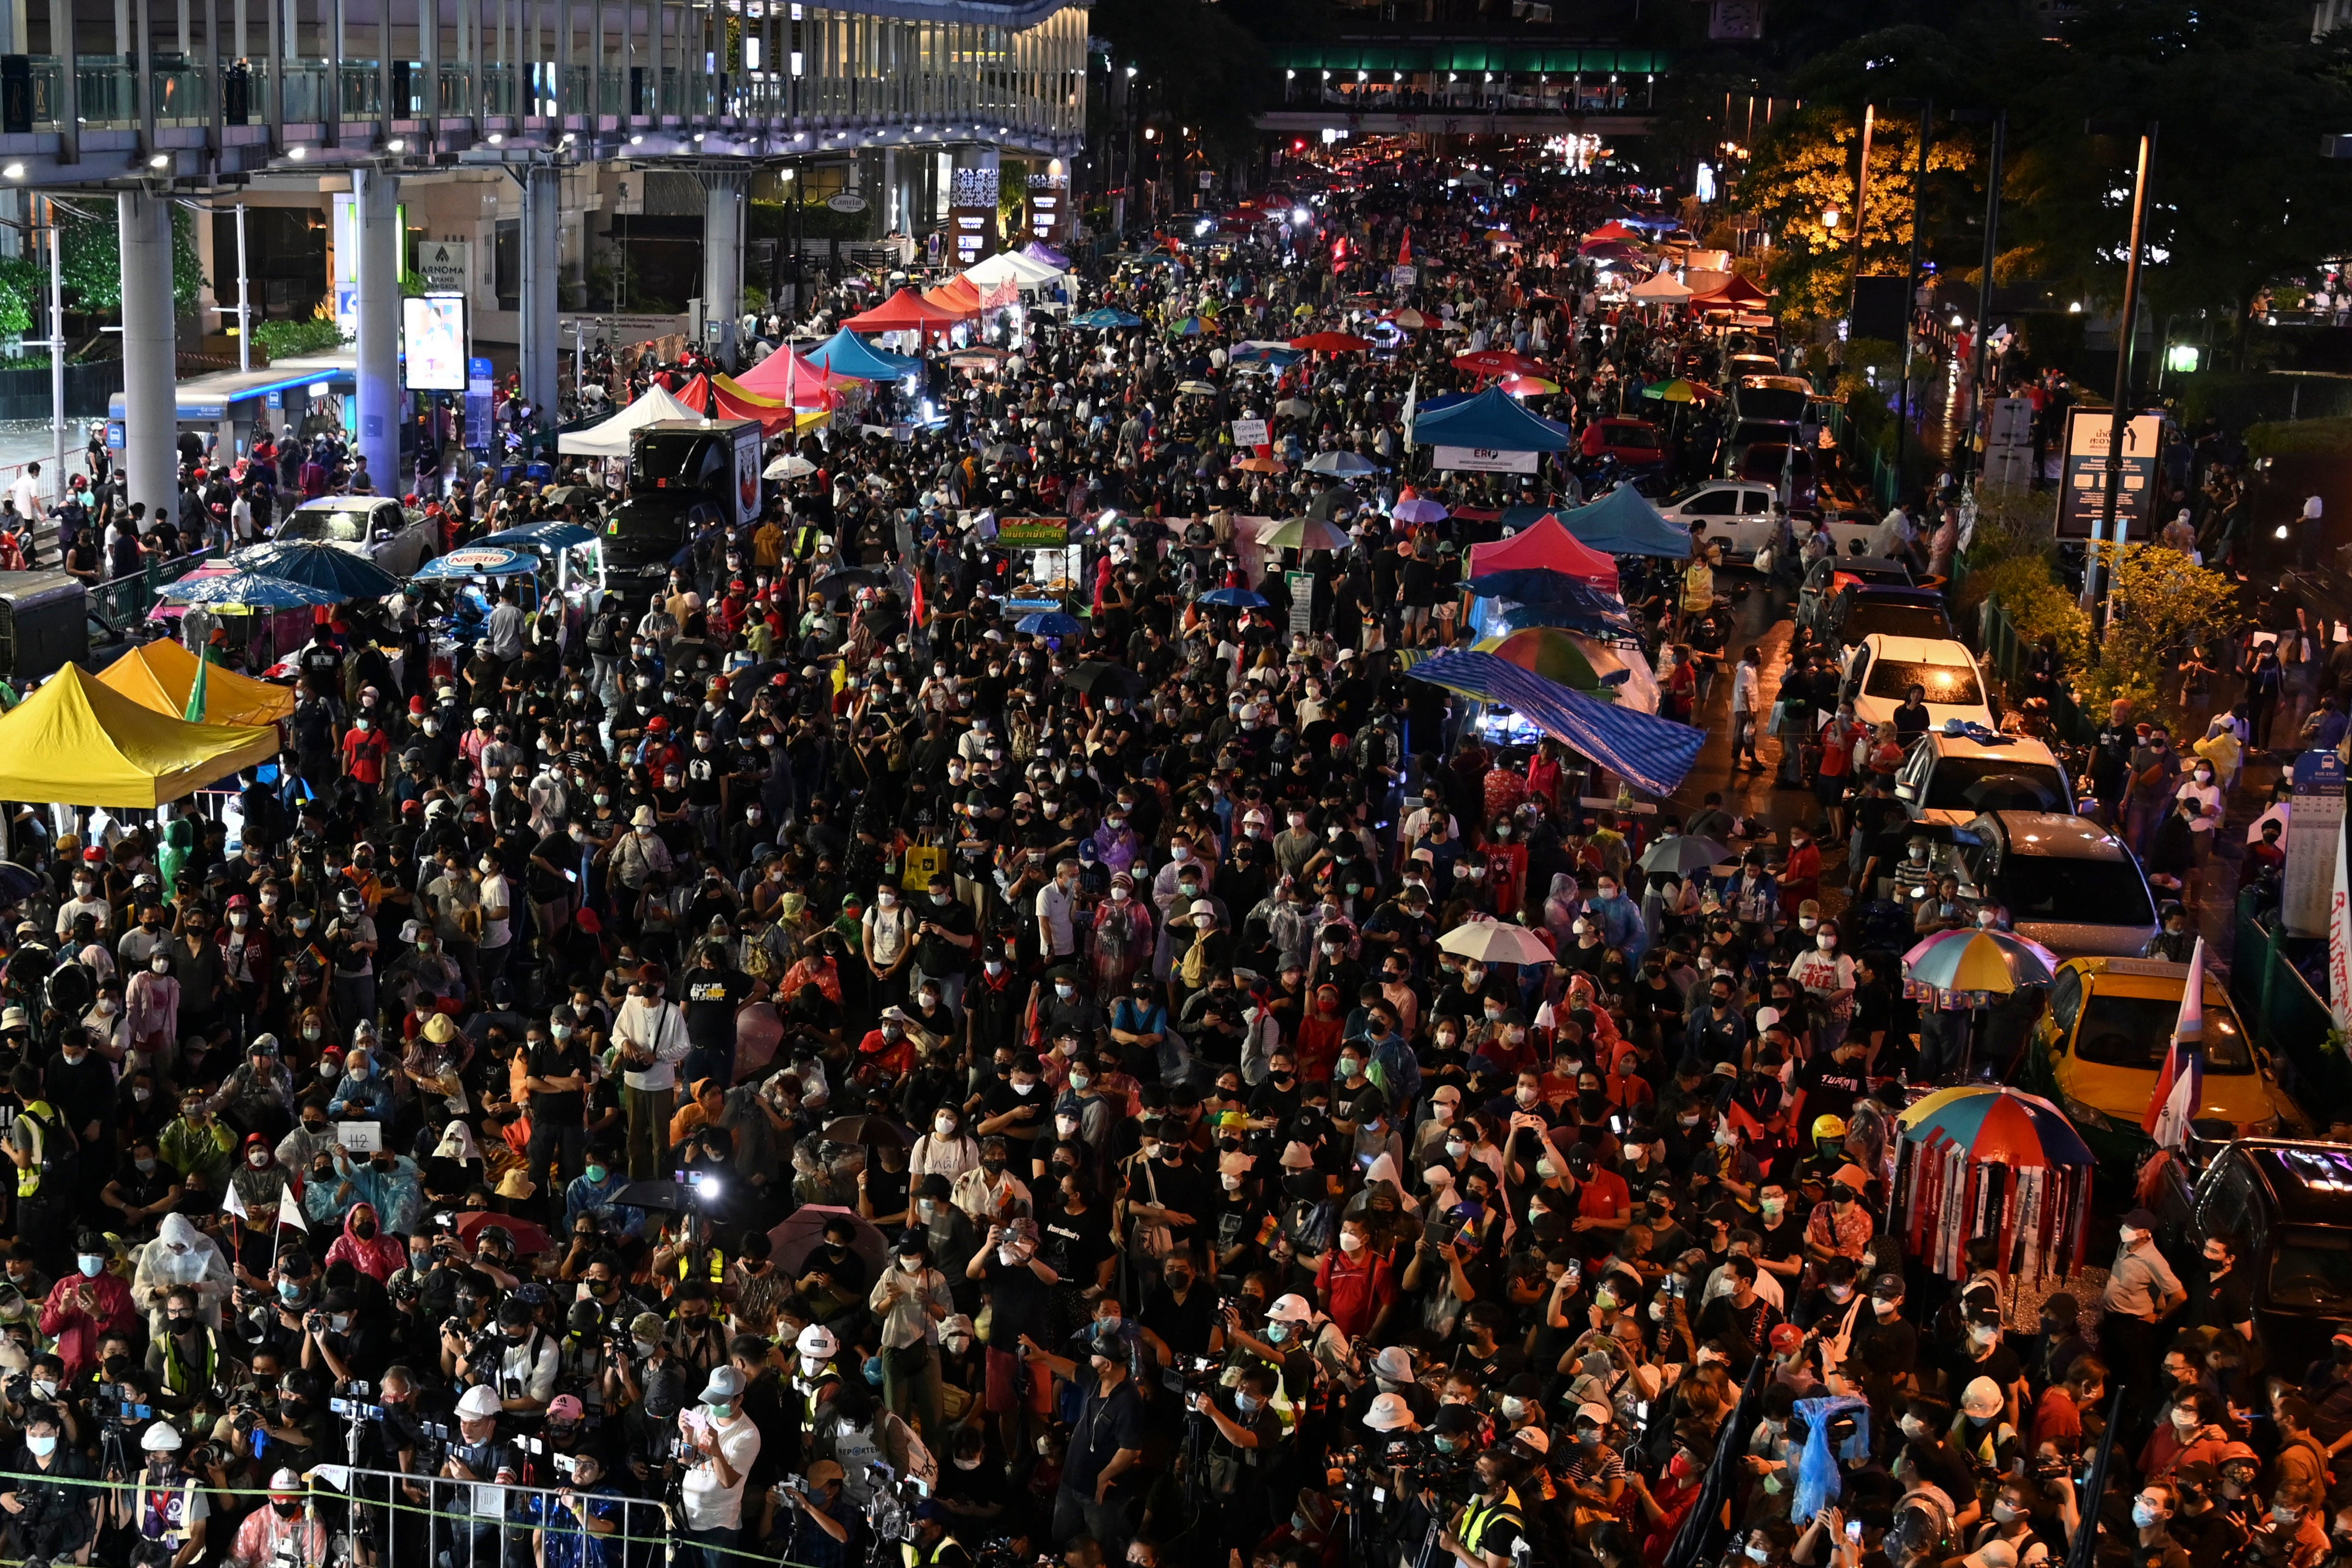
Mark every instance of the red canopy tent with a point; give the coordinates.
(725, 399)
(1733, 290)
(1550, 546)
(904, 311)
(958, 295)
(1612, 229)
(784, 372)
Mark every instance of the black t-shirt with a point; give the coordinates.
(1831, 1086)
(557, 850)
(710, 999)
(1185, 1325)
(705, 771)
(1020, 1303)
(558, 1060)
(2228, 1301)
(936, 955)
(1075, 1245)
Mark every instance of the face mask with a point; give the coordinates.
(41, 1446)
(1759, 1553)
(1883, 1308)
(2144, 1515)
(2129, 1236)
(1351, 1243)
(89, 1264)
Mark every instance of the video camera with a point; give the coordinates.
(890, 1514)
(1189, 1375)
(118, 1401)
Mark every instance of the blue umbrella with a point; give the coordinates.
(556, 535)
(1049, 623)
(250, 590)
(1341, 464)
(1234, 597)
(346, 571)
(476, 560)
(1107, 316)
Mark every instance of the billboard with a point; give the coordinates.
(2081, 500)
(1482, 460)
(433, 329)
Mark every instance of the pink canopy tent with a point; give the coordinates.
(1548, 545)
(785, 373)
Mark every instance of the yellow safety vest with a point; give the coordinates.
(915, 1558)
(36, 1113)
(718, 1263)
(1482, 1516)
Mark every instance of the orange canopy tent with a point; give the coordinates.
(904, 311)
(957, 294)
(1733, 290)
(784, 376)
(1550, 546)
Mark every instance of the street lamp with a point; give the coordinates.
(2105, 529)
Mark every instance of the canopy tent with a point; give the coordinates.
(904, 311)
(160, 674)
(1655, 754)
(727, 399)
(82, 743)
(1010, 267)
(956, 294)
(1614, 230)
(1623, 522)
(1547, 544)
(1494, 421)
(848, 354)
(1732, 290)
(1660, 290)
(611, 438)
(787, 377)
(1038, 250)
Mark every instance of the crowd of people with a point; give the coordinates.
(800, 1065)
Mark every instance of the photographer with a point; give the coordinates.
(1489, 1526)
(168, 1507)
(1245, 1453)
(469, 1521)
(336, 1341)
(570, 1524)
(826, 1526)
(48, 1518)
(519, 1362)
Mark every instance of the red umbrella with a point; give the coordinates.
(1497, 362)
(528, 1238)
(1332, 342)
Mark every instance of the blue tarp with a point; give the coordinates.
(1494, 421)
(1623, 522)
(848, 354)
(1556, 598)
(1655, 754)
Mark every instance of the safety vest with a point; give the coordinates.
(718, 1263)
(175, 1376)
(918, 1557)
(1482, 1516)
(37, 1116)
(810, 1388)
(163, 1514)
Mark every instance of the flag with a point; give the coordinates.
(1411, 397)
(2181, 1087)
(2339, 941)
(196, 714)
(1001, 295)
(1405, 247)
(233, 1201)
(290, 1212)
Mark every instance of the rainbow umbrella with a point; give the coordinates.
(1676, 391)
(1997, 1125)
(1562, 656)
(1961, 969)
(1530, 386)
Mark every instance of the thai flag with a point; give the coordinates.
(2181, 1087)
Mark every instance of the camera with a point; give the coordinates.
(1190, 1374)
(122, 1400)
(355, 1410)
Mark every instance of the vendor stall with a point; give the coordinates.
(80, 742)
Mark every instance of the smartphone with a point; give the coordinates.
(1853, 1530)
(1617, 1125)
(1641, 1410)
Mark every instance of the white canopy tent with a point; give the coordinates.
(1010, 265)
(1660, 290)
(611, 438)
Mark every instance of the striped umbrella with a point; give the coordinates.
(1964, 968)
(1995, 1163)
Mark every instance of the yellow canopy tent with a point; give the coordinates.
(83, 743)
(160, 675)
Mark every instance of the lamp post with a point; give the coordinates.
(1964, 457)
(2105, 531)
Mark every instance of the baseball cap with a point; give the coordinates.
(2141, 1219)
(565, 1408)
(725, 1384)
(1887, 1286)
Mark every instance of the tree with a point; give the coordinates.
(2164, 605)
(92, 269)
(1806, 169)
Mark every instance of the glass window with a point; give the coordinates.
(334, 526)
(2066, 999)
(1953, 787)
(1949, 685)
(2311, 1267)
(2135, 1031)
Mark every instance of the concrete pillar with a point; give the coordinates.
(149, 382)
(541, 195)
(376, 205)
(722, 257)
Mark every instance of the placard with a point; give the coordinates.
(1403, 276)
(1032, 533)
(1250, 432)
(2313, 828)
(1485, 460)
(1302, 602)
(2083, 497)
(360, 1137)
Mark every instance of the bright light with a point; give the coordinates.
(635, 141)
(2281, 533)
(1830, 217)
(2183, 358)
(1131, 73)
(1957, 322)
(397, 144)
(161, 160)
(14, 171)
(1201, 227)
(1300, 215)
(297, 153)
(2075, 309)
(497, 138)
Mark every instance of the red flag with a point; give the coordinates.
(921, 617)
(1405, 247)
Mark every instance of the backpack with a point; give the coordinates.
(59, 1145)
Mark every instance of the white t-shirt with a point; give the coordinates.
(496, 895)
(709, 1505)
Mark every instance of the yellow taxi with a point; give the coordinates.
(2099, 1051)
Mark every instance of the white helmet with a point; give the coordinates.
(816, 1340)
(160, 1437)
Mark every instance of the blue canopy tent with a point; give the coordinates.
(848, 354)
(1623, 522)
(1494, 421)
(1534, 596)
(1655, 754)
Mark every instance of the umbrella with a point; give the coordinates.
(1560, 655)
(1003, 452)
(1341, 464)
(1497, 362)
(528, 1238)
(1530, 386)
(802, 1233)
(1496, 942)
(791, 466)
(832, 584)
(2000, 1126)
(1683, 853)
(1196, 389)
(1185, 327)
(866, 1130)
(666, 1194)
(1295, 408)
(1049, 623)
(348, 572)
(1412, 320)
(476, 560)
(17, 884)
(1093, 676)
(1233, 598)
(1259, 465)
(1543, 588)
(1303, 533)
(249, 590)
(1336, 498)
(1332, 342)
(1419, 509)
(568, 496)
(556, 535)
(1962, 968)
(1676, 390)
(1106, 317)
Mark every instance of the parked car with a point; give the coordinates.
(1634, 443)
(1776, 461)
(2290, 1203)
(1736, 514)
(1882, 670)
(1783, 400)
(398, 540)
(1953, 779)
(2065, 881)
(2099, 1051)
(1859, 610)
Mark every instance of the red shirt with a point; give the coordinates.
(1356, 1288)
(363, 755)
(1603, 1196)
